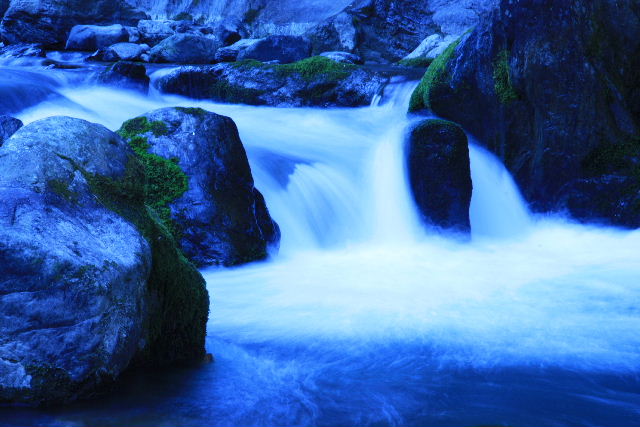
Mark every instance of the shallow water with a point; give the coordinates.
(366, 317)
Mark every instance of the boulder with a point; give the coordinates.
(123, 52)
(316, 81)
(153, 32)
(230, 53)
(48, 22)
(427, 46)
(440, 173)
(552, 88)
(94, 37)
(8, 126)
(343, 57)
(222, 219)
(283, 49)
(185, 49)
(336, 33)
(92, 281)
(126, 75)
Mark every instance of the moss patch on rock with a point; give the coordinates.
(416, 62)
(502, 78)
(165, 180)
(179, 299)
(318, 67)
(435, 76)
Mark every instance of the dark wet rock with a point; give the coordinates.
(92, 282)
(552, 88)
(185, 49)
(222, 218)
(8, 126)
(283, 49)
(92, 37)
(343, 57)
(440, 173)
(123, 52)
(48, 22)
(126, 75)
(316, 81)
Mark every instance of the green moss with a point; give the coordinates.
(435, 76)
(165, 180)
(141, 125)
(416, 62)
(222, 90)
(502, 78)
(61, 188)
(318, 67)
(197, 112)
(178, 315)
(183, 16)
(621, 159)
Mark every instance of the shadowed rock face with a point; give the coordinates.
(49, 21)
(552, 88)
(91, 281)
(440, 173)
(222, 218)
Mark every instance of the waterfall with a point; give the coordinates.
(365, 318)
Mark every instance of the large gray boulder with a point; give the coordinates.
(153, 31)
(185, 49)
(316, 81)
(440, 173)
(92, 37)
(222, 218)
(283, 49)
(8, 126)
(92, 282)
(123, 52)
(49, 21)
(552, 88)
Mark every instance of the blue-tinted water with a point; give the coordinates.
(366, 318)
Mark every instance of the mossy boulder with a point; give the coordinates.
(316, 81)
(552, 88)
(440, 173)
(197, 164)
(93, 283)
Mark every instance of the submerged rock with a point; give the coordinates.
(128, 75)
(93, 37)
(185, 49)
(221, 219)
(440, 173)
(8, 126)
(92, 281)
(316, 81)
(552, 88)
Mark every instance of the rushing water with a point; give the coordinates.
(366, 317)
